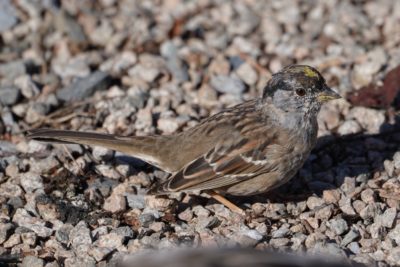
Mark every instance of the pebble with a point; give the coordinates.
(228, 85)
(100, 253)
(120, 63)
(28, 87)
(147, 74)
(6, 230)
(32, 261)
(85, 87)
(387, 218)
(136, 201)
(80, 261)
(102, 154)
(338, 225)
(12, 241)
(115, 203)
(80, 238)
(31, 182)
(370, 119)
(247, 74)
(8, 15)
(349, 237)
(314, 202)
(62, 234)
(368, 195)
(395, 234)
(29, 238)
(349, 127)
(24, 219)
(9, 95)
(111, 240)
(12, 69)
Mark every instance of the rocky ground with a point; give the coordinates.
(156, 67)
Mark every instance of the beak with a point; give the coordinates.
(327, 94)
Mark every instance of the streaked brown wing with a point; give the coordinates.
(229, 162)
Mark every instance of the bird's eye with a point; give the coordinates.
(300, 92)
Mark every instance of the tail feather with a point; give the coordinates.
(129, 145)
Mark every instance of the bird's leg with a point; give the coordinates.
(225, 202)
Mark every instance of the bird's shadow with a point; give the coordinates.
(356, 156)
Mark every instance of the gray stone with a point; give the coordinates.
(279, 242)
(31, 182)
(8, 15)
(338, 225)
(228, 85)
(147, 74)
(11, 70)
(206, 222)
(136, 201)
(23, 218)
(370, 119)
(7, 148)
(32, 261)
(36, 112)
(120, 63)
(281, 232)
(62, 234)
(28, 87)
(115, 203)
(102, 154)
(247, 74)
(146, 219)
(186, 215)
(349, 127)
(80, 238)
(394, 256)
(100, 253)
(395, 234)
(124, 231)
(9, 95)
(29, 238)
(80, 261)
(12, 241)
(376, 230)
(85, 87)
(387, 218)
(314, 202)
(396, 160)
(247, 237)
(111, 240)
(175, 66)
(5, 231)
(349, 237)
(368, 195)
(370, 211)
(65, 23)
(354, 247)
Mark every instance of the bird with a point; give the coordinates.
(247, 149)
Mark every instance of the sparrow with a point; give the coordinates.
(246, 149)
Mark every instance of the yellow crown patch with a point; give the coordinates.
(309, 72)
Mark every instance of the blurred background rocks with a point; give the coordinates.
(156, 67)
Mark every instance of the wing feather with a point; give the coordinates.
(229, 162)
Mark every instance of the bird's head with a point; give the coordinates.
(298, 88)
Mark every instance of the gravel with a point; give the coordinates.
(81, 65)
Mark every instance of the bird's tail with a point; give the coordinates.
(136, 146)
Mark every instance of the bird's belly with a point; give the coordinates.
(288, 167)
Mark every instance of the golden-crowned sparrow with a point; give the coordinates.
(247, 149)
